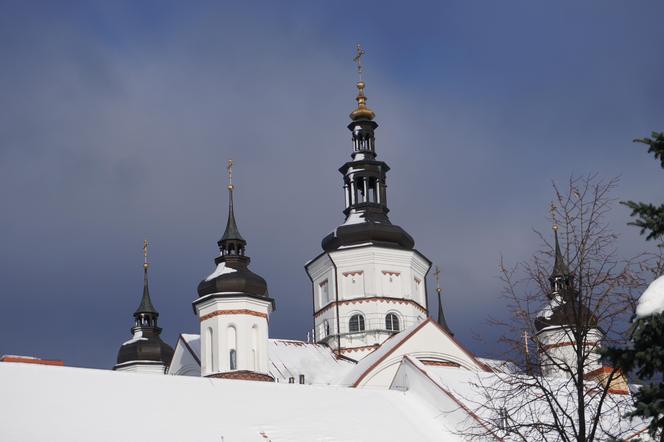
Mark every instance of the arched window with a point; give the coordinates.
(392, 322)
(356, 323)
(209, 354)
(326, 328)
(232, 348)
(254, 347)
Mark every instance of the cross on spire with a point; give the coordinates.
(358, 59)
(229, 168)
(436, 274)
(145, 254)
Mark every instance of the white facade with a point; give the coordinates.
(364, 294)
(234, 333)
(149, 367)
(558, 351)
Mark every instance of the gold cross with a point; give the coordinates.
(230, 174)
(145, 254)
(436, 274)
(358, 59)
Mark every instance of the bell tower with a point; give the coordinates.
(233, 308)
(564, 322)
(369, 283)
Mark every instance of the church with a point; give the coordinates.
(379, 365)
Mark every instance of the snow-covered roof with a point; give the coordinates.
(290, 358)
(481, 394)
(652, 300)
(372, 358)
(316, 362)
(76, 404)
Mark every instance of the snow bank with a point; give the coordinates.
(651, 301)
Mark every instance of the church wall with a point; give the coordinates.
(363, 277)
(239, 324)
(559, 350)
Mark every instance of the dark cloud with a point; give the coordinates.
(117, 120)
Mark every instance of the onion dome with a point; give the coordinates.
(232, 275)
(146, 345)
(362, 112)
(365, 190)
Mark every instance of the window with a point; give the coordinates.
(326, 326)
(392, 322)
(356, 323)
(324, 291)
(254, 347)
(301, 379)
(233, 359)
(232, 348)
(209, 346)
(291, 380)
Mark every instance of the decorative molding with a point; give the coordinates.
(243, 375)
(390, 273)
(371, 299)
(440, 363)
(353, 273)
(233, 312)
(354, 349)
(566, 344)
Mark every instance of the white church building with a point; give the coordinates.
(379, 367)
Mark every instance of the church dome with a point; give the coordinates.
(233, 276)
(146, 344)
(564, 314)
(379, 234)
(148, 347)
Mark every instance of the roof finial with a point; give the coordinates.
(145, 254)
(229, 168)
(358, 59)
(362, 112)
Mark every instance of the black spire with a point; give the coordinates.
(365, 189)
(441, 314)
(146, 315)
(565, 308)
(146, 344)
(146, 306)
(232, 275)
(561, 278)
(231, 243)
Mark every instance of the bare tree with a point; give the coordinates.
(572, 297)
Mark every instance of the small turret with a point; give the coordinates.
(233, 308)
(145, 352)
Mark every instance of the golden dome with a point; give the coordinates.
(362, 112)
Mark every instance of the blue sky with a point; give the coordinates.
(117, 119)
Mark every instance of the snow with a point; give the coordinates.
(470, 389)
(138, 336)
(368, 361)
(354, 218)
(76, 404)
(651, 301)
(316, 362)
(547, 311)
(290, 358)
(220, 270)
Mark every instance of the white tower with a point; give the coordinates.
(369, 282)
(565, 324)
(233, 307)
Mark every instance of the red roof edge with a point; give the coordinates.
(29, 360)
